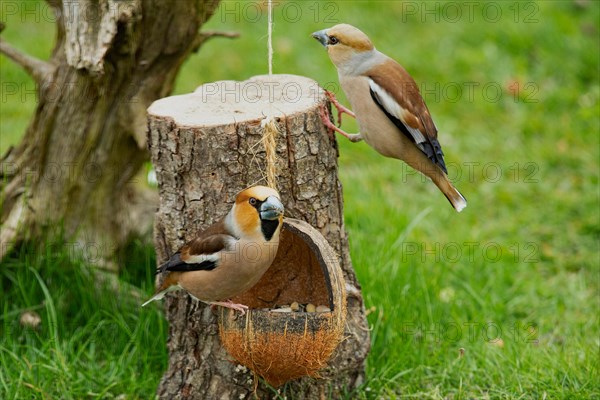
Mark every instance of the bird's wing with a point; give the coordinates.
(201, 253)
(397, 95)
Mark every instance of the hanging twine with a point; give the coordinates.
(270, 36)
(268, 124)
(269, 136)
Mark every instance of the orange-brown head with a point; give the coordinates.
(258, 211)
(344, 42)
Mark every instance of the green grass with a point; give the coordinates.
(91, 343)
(521, 263)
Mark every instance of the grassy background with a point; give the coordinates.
(513, 281)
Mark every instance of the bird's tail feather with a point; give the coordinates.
(455, 198)
(157, 296)
(168, 286)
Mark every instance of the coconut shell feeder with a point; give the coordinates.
(283, 345)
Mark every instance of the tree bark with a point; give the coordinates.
(77, 163)
(206, 147)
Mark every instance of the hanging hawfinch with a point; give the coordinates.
(390, 111)
(230, 256)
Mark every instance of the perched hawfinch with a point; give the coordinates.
(390, 111)
(230, 256)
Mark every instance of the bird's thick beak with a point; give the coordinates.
(271, 208)
(322, 37)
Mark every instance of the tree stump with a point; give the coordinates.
(206, 146)
(73, 174)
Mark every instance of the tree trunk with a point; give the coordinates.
(77, 163)
(206, 147)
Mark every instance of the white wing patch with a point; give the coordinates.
(213, 257)
(199, 258)
(392, 107)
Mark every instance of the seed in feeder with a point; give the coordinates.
(241, 368)
(311, 307)
(323, 309)
(295, 306)
(283, 309)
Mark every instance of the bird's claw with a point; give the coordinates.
(341, 109)
(324, 114)
(230, 304)
(353, 137)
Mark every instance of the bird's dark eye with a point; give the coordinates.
(333, 40)
(253, 201)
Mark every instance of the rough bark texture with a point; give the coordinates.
(206, 147)
(77, 163)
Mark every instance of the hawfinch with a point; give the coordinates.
(230, 256)
(390, 111)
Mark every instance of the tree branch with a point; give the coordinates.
(35, 67)
(54, 4)
(204, 36)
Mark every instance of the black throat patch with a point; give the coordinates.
(268, 227)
